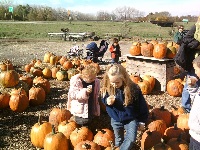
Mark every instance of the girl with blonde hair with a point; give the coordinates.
(125, 105)
(83, 95)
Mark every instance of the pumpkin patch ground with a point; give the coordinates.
(15, 127)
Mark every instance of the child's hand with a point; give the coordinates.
(110, 99)
(114, 49)
(141, 126)
(89, 89)
(191, 81)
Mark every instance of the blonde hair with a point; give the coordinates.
(118, 71)
(89, 69)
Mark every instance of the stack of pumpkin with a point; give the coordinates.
(59, 133)
(166, 130)
(146, 83)
(57, 67)
(20, 90)
(154, 48)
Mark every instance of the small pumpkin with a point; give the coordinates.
(159, 50)
(147, 49)
(87, 145)
(9, 78)
(174, 88)
(4, 100)
(135, 49)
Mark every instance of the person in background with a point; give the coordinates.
(115, 51)
(189, 49)
(194, 116)
(125, 105)
(83, 95)
(178, 36)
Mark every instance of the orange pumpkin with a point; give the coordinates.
(39, 132)
(174, 88)
(158, 125)
(9, 78)
(159, 51)
(147, 49)
(56, 141)
(135, 49)
(4, 100)
(44, 83)
(87, 145)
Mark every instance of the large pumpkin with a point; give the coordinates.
(39, 132)
(104, 137)
(135, 49)
(9, 78)
(56, 141)
(147, 49)
(4, 100)
(174, 88)
(159, 50)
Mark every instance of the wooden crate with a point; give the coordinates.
(161, 69)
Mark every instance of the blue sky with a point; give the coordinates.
(175, 7)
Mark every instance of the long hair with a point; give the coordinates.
(129, 87)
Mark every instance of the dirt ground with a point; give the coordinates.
(15, 127)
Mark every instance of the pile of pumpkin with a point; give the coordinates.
(20, 90)
(146, 82)
(166, 130)
(154, 48)
(60, 133)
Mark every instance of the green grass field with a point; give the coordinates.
(39, 30)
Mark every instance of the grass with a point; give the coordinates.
(39, 30)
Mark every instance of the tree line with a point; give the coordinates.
(45, 13)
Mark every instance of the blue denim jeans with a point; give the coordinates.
(115, 60)
(125, 140)
(194, 145)
(185, 100)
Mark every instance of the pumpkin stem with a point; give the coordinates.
(86, 146)
(162, 108)
(39, 119)
(175, 126)
(173, 107)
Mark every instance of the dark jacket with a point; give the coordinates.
(137, 110)
(187, 50)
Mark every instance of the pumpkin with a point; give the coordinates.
(163, 114)
(135, 78)
(67, 65)
(38, 63)
(61, 75)
(27, 67)
(18, 102)
(6, 65)
(176, 112)
(174, 88)
(145, 86)
(19, 90)
(158, 125)
(154, 42)
(47, 56)
(53, 59)
(27, 79)
(178, 143)
(103, 137)
(56, 141)
(47, 73)
(173, 132)
(182, 121)
(150, 79)
(62, 60)
(67, 127)
(4, 100)
(54, 70)
(80, 134)
(161, 146)
(44, 83)
(171, 52)
(9, 78)
(135, 49)
(159, 50)
(58, 115)
(37, 95)
(36, 71)
(87, 145)
(149, 139)
(39, 132)
(147, 49)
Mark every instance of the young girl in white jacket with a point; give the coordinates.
(194, 117)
